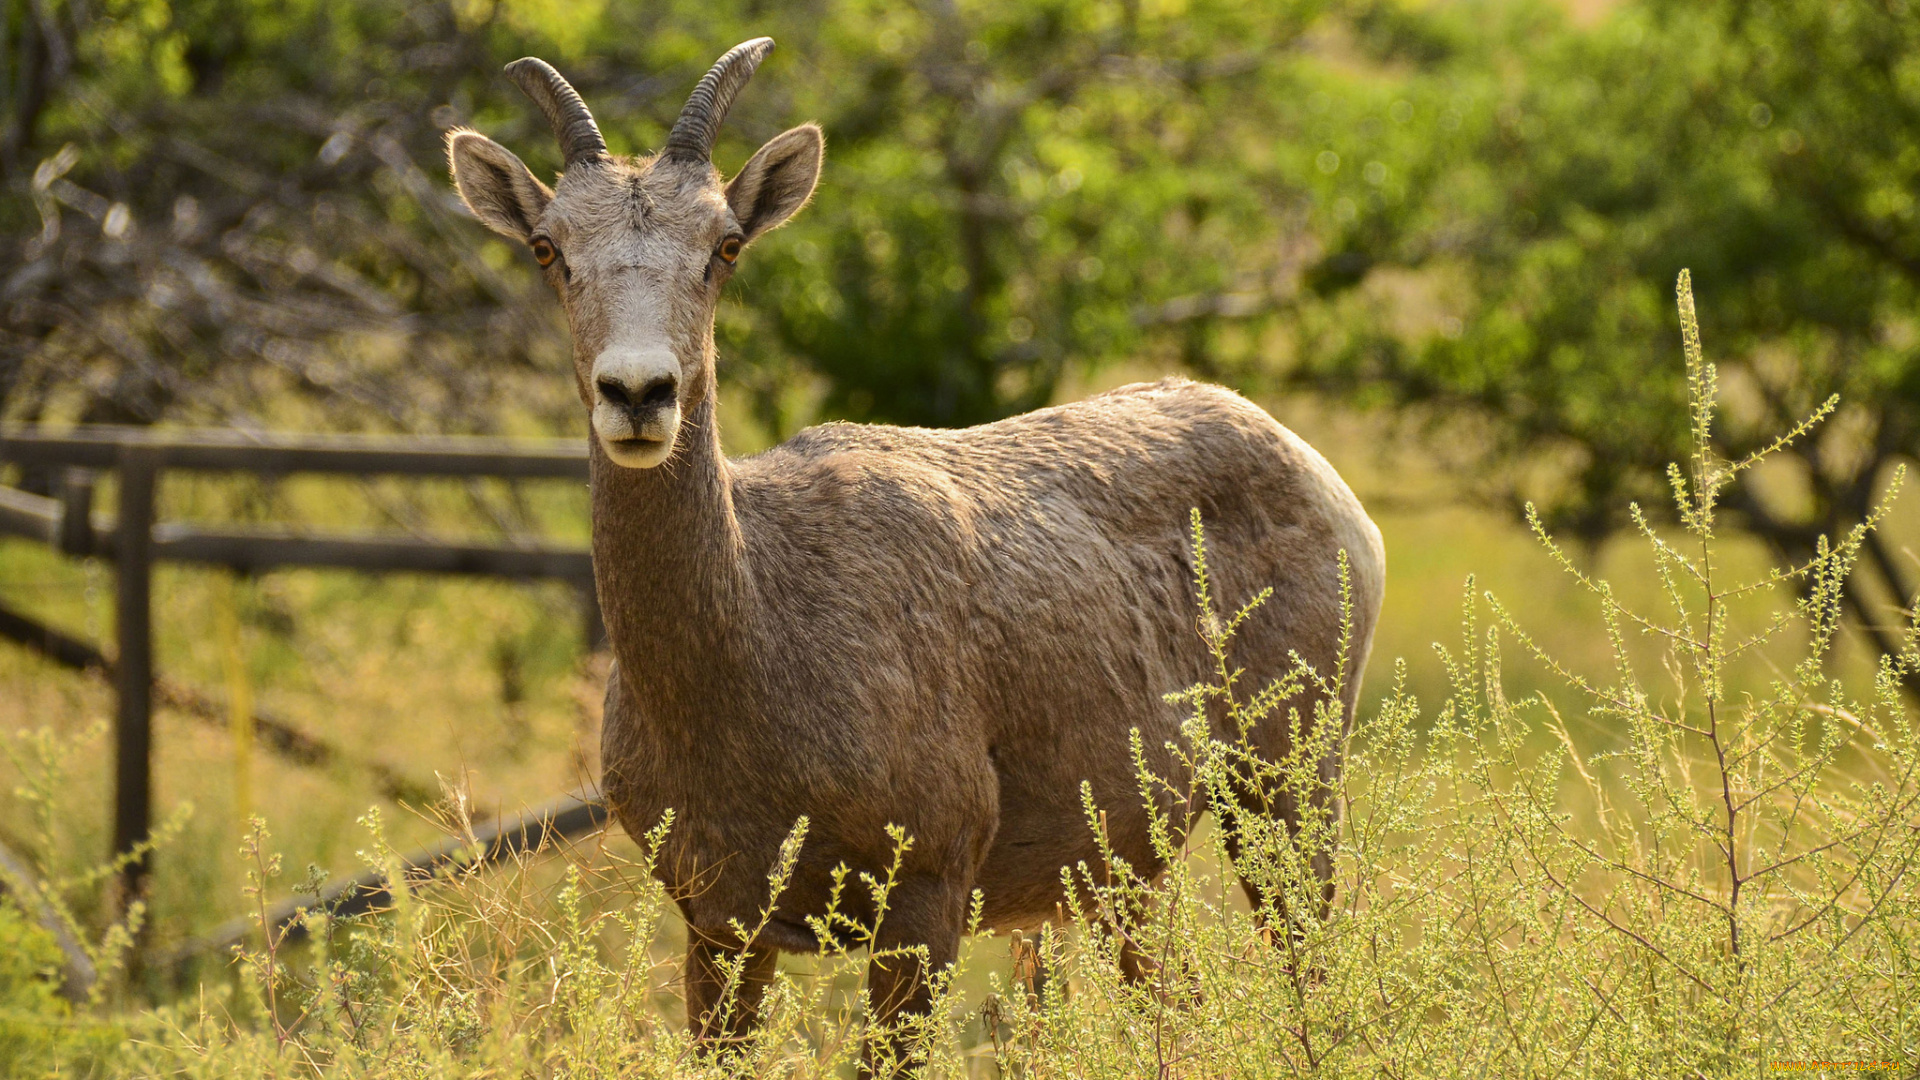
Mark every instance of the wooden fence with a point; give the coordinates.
(133, 540)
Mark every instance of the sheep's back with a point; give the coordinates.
(1021, 592)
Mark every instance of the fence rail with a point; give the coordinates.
(133, 540)
(102, 447)
(370, 890)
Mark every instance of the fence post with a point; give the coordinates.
(76, 512)
(133, 666)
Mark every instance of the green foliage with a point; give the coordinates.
(1011, 186)
(1556, 172)
(41, 1033)
(226, 207)
(55, 976)
(32, 1014)
(253, 205)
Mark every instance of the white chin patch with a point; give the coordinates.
(636, 448)
(633, 453)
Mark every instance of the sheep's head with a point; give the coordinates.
(638, 249)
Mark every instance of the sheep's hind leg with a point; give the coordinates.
(1144, 956)
(1261, 797)
(720, 1018)
(1289, 935)
(921, 912)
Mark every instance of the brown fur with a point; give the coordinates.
(948, 631)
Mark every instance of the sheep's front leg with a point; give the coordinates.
(921, 912)
(716, 1017)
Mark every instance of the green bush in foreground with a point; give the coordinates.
(1728, 886)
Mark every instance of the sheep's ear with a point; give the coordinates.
(496, 185)
(777, 181)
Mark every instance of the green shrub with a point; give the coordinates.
(31, 1009)
(40, 1032)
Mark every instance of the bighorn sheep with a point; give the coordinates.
(944, 631)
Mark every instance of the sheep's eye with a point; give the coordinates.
(730, 248)
(543, 251)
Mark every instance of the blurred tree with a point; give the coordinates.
(1568, 176)
(227, 205)
(222, 201)
(1012, 186)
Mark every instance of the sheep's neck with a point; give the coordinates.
(668, 557)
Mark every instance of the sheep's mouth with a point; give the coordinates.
(637, 451)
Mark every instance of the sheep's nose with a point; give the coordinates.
(655, 394)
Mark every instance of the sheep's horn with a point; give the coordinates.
(572, 124)
(699, 124)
